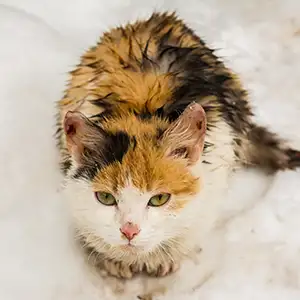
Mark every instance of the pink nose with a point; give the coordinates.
(130, 230)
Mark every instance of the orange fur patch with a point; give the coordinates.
(114, 66)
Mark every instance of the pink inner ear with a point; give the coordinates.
(71, 122)
(74, 128)
(70, 129)
(200, 125)
(185, 137)
(197, 116)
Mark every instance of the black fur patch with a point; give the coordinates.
(144, 116)
(201, 74)
(105, 102)
(105, 115)
(196, 77)
(65, 166)
(160, 132)
(294, 158)
(116, 147)
(113, 149)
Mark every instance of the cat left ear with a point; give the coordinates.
(82, 136)
(185, 137)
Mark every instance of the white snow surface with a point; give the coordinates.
(40, 41)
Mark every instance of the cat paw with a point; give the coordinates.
(145, 297)
(118, 269)
(163, 269)
(167, 269)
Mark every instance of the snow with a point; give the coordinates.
(41, 41)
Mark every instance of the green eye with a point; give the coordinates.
(159, 200)
(106, 198)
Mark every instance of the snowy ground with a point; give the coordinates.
(41, 40)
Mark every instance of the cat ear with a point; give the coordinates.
(82, 136)
(185, 137)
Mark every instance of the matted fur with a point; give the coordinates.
(134, 84)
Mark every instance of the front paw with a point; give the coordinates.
(164, 269)
(145, 297)
(117, 269)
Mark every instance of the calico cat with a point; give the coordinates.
(150, 126)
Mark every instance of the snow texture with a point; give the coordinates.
(42, 40)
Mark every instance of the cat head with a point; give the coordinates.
(133, 187)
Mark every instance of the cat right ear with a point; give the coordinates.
(185, 137)
(82, 136)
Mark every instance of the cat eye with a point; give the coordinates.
(159, 200)
(106, 198)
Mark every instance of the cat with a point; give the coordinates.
(151, 124)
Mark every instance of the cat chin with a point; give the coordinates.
(134, 251)
(129, 249)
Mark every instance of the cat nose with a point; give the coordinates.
(130, 230)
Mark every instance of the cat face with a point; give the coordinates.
(133, 190)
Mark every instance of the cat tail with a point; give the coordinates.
(262, 148)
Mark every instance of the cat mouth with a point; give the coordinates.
(130, 248)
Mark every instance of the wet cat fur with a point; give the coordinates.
(135, 83)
